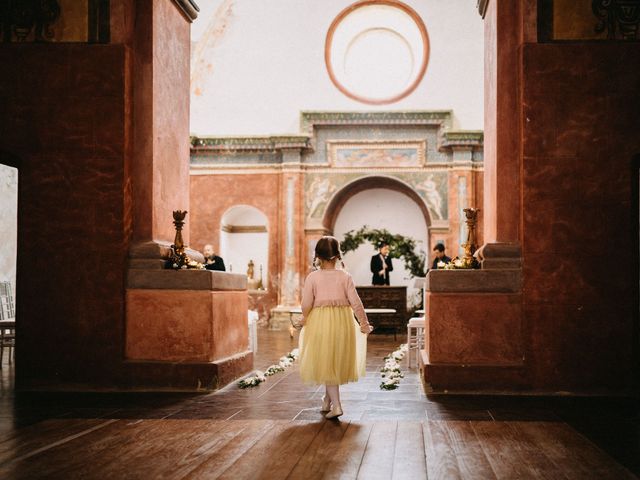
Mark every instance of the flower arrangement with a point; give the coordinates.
(459, 264)
(391, 372)
(399, 246)
(273, 369)
(258, 377)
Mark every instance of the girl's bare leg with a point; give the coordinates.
(326, 400)
(334, 395)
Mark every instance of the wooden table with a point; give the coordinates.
(386, 297)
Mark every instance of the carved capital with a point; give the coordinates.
(619, 18)
(189, 8)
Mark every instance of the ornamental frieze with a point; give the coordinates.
(431, 186)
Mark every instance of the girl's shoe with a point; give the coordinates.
(326, 404)
(334, 413)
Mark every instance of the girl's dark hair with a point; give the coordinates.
(328, 248)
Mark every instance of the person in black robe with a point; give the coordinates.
(211, 260)
(381, 265)
(440, 256)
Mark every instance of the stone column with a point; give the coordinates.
(502, 22)
(160, 84)
(474, 318)
(291, 218)
(462, 184)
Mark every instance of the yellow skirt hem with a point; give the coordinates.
(332, 349)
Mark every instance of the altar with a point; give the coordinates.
(387, 298)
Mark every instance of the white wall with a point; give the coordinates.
(8, 224)
(236, 249)
(380, 208)
(257, 63)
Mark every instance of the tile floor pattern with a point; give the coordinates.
(277, 431)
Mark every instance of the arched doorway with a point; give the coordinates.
(379, 202)
(244, 237)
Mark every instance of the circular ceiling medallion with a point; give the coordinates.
(376, 51)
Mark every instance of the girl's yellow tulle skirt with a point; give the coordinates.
(333, 351)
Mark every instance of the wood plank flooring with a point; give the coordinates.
(276, 431)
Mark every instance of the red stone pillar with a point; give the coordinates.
(487, 304)
(291, 237)
(158, 35)
(502, 121)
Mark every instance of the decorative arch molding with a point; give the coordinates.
(340, 198)
(259, 224)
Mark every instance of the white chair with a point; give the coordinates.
(7, 322)
(415, 337)
(253, 317)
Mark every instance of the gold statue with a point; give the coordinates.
(252, 283)
(250, 270)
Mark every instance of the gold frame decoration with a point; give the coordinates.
(367, 154)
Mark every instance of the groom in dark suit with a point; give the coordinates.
(381, 265)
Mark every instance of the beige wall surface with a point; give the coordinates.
(257, 63)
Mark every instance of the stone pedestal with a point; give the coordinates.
(186, 329)
(474, 332)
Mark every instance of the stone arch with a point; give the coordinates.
(244, 214)
(365, 183)
(244, 236)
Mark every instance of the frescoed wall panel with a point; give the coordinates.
(302, 182)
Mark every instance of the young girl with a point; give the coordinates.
(333, 347)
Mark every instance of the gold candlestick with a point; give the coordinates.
(178, 258)
(260, 284)
(178, 221)
(470, 246)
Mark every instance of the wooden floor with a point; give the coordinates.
(276, 431)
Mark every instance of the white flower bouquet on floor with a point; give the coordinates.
(273, 369)
(390, 384)
(391, 372)
(256, 379)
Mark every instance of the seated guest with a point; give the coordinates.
(381, 265)
(440, 256)
(211, 260)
